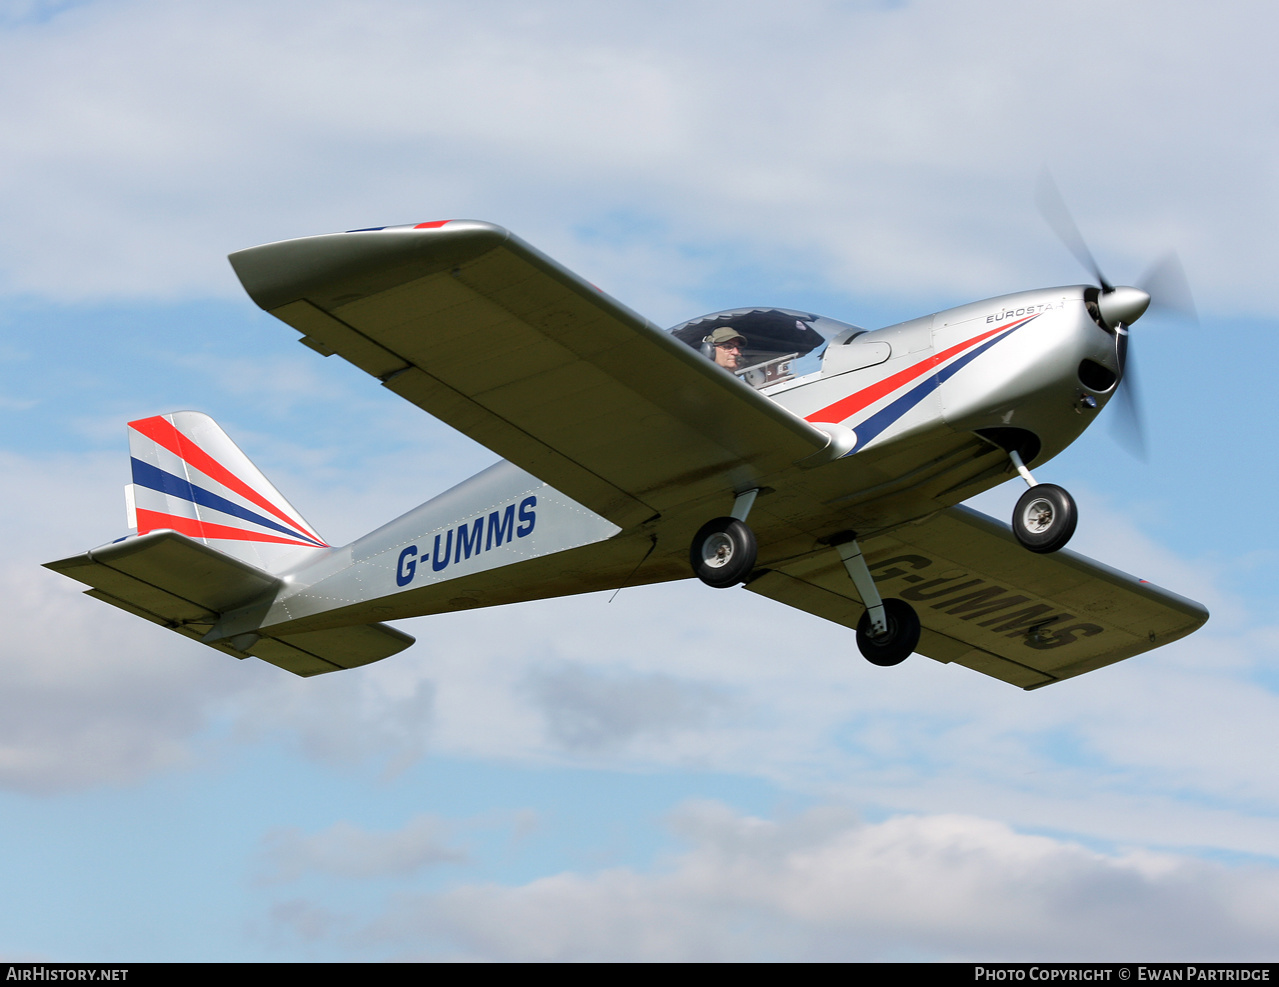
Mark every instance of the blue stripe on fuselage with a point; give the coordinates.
(882, 419)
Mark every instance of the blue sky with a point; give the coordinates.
(682, 773)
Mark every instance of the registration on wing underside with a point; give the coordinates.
(969, 597)
(983, 602)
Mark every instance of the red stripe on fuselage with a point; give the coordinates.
(162, 431)
(845, 408)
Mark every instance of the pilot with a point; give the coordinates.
(725, 346)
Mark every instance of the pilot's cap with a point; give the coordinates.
(725, 334)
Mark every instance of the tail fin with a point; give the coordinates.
(188, 476)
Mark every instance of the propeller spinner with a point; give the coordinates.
(1122, 306)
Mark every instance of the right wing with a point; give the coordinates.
(987, 603)
(477, 328)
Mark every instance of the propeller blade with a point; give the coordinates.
(1053, 208)
(1169, 289)
(1126, 423)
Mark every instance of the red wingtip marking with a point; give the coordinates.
(436, 224)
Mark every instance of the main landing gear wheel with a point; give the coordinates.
(723, 552)
(896, 646)
(1044, 518)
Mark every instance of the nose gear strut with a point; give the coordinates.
(1045, 515)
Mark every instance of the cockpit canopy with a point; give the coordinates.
(781, 344)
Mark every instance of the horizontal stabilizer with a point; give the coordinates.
(178, 582)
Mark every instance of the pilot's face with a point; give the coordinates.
(729, 354)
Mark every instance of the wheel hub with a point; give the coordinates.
(717, 550)
(1038, 516)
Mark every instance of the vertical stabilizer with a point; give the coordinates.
(189, 477)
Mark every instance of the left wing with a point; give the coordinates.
(987, 603)
(477, 328)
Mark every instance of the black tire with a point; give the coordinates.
(900, 641)
(723, 552)
(1044, 518)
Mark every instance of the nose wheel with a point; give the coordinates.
(1044, 518)
(1045, 515)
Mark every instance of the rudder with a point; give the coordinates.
(189, 477)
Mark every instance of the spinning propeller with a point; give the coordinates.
(1164, 288)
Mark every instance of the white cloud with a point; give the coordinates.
(826, 887)
(88, 694)
(347, 851)
(1167, 749)
(591, 710)
(342, 719)
(887, 150)
(891, 149)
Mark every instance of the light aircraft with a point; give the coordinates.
(814, 462)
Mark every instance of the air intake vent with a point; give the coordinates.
(1095, 377)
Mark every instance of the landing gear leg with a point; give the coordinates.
(723, 550)
(889, 629)
(1045, 515)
